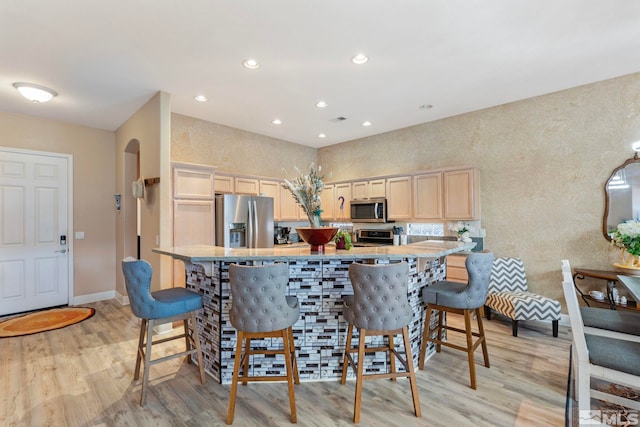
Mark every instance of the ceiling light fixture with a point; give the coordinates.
(322, 135)
(366, 123)
(276, 121)
(251, 64)
(201, 98)
(360, 59)
(321, 104)
(35, 93)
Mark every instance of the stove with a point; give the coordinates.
(374, 237)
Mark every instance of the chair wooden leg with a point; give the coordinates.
(483, 342)
(440, 327)
(472, 364)
(359, 376)
(412, 372)
(487, 312)
(187, 339)
(234, 381)
(425, 338)
(147, 362)
(247, 352)
(143, 330)
(392, 357)
(296, 375)
(514, 327)
(195, 338)
(555, 328)
(289, 364)
(347, 347)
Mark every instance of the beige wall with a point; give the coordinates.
(235, 151)
(149, 127)
(543, 163)
(93, 190)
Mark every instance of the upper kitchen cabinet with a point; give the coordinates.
(461, 194)
(342, 196)
(249, 186)
(361, 190)
(272, 189)
(224, 184)
(289, 207)
(192, 181)
(427, 196)
(328, 202)
(398, 193)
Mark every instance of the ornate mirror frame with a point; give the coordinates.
(607, 199)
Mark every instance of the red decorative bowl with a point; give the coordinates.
(317, 237)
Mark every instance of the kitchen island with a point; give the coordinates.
(318, 280)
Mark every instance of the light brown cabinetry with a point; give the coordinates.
(223, 184)
(327, 200)
(456, 268)
(289, 207)
(272, 189)
(193, 210)
(342, 190)
(461, 194)
(249, 186)
(368, 189)
(427, 196)
(398, 193)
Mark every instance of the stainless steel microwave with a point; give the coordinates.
(369, 210)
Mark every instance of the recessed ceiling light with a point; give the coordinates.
(360, 59)
(366, 123)
(201, 98)
(276, 121)
(322, 135)
(321, 104)
(251, 64)
(426, 107)
(35, 93)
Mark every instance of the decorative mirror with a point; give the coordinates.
(622, 196)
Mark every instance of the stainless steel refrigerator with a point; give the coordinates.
(244, 221)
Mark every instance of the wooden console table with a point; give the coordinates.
(612, 279)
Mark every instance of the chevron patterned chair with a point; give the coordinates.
(509, 296)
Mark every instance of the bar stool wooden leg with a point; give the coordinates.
(234, 381)
(289, 363)
(412, 372)
(392, 359)
(147, 362)
(347, 346)
(425, 338)
(296, 375)
(472, 365)
(440, 326)
(359, 377)
(246, 356)
(143, 330)
(195, 338)
(485, 352)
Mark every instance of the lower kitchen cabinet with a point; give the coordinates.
(456, 268)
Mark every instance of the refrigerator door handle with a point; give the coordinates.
(250, 226)
(257, 226)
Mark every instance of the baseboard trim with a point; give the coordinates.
(99, 296)
(122, 299)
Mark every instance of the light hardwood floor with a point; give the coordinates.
(82, 375)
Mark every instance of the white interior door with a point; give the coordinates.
(34, 259)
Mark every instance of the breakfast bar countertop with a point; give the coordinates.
(424, 249)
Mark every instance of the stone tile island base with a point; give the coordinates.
(319, 284)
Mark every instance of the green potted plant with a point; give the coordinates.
(343, 240)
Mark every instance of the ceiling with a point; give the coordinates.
(107, 58)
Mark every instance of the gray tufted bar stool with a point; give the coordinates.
(459, 298)
(260, 309)
(379, 306)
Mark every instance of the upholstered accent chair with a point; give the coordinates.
(509, 295)
(379, 306)
(261, 309)
(459, 298)
(156, 308)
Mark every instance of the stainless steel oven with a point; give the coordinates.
(370, 210)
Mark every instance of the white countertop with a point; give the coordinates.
(632, 283)
(424, 249)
